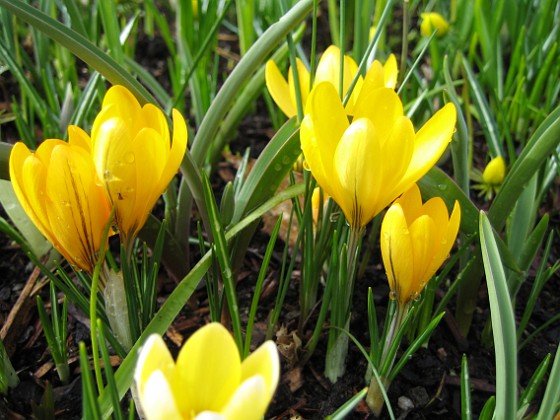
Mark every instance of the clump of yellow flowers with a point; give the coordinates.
(208, 381)
(365, 164)
(69, 188)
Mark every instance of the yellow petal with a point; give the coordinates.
(154, 356)
(278, 89)
(304, 80)
(77, 207)
(382, 106)
(375, 77)
(328, 69)
(320, 133)
(210, 368)
(411, 203)
(78, 137)
(27, 174)
(359, 176)
(394, 159)
(421, 236)
(396, 251)
(177, 152)
(249, 401)
(391, 72)
(448, 239)
(429, 144)
(157, 399)
(263, 362)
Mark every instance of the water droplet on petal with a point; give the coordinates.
(393, 294)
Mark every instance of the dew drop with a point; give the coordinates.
(278, 167)
(108, 176)
(285, 160)
(442, 187)
(393, 294)
(129, 190)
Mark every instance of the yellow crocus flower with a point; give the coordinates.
(328, 70)
(416, 239)
(494, 173)
(59, 190)
(209, 380)
(366, 164)
(432, 21)
(134, 156)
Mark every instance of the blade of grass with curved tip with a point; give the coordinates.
(182, 292)
(503, 323)
(348, 406)
(79, 46)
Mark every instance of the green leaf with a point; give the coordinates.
(503, 324)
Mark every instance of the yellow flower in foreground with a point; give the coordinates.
(366, 164)
(495, 172)
(432, 21)
(328, 70)
(134, 156)
(209, 381)
(59, 190)
(416, 239)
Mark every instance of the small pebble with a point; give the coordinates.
(405, 403)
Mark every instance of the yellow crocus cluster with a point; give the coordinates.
(416, 239)
(69, 188)
(328, 70)
(209, 380)
(366, 163)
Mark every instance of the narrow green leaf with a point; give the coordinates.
(503, 324)
(466, 409)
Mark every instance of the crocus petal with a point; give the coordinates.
(391, 72)
(158, 402)
(422, 239)
(154, 356)
(411, 203)
(320, 133)
(278, 89)
(209, 368)
(358, 176)
(27, 174)
(382, 106)
(177, 152)
(394, 159)
(249, 401)
(209, 415)
(264, 362)
(78, 137)
(375, 77)
(447, 241)
(396, 250)
(77, 208)
(304, 83)
(429, 144)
